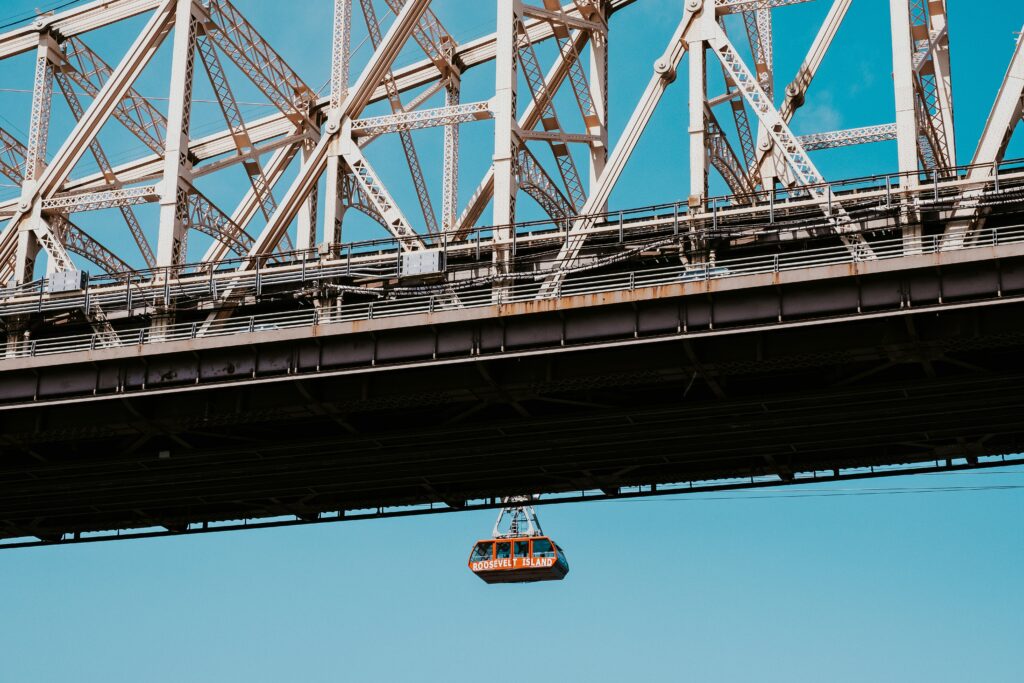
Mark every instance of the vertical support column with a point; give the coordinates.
(696, 44)
(450, 186)
(903, 85)
(340, 53)
(769, 171)
(47, 54)
(334, 209)
(938, 22)
(505, 122)
(334, 176)
(599, 95)
(906, 115)
(773, 169)
(306, 219)
(177, 175)
(28, 249)
(766, 59)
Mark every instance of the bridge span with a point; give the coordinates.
(261, 367)
(761, 368)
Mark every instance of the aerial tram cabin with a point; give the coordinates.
(522, 554)
(518, 560)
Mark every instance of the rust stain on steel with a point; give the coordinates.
(666, 291)
(529, 306)
(330, 328)
(715, 285)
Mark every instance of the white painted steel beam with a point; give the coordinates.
(106, 199)
(77, 142)
(506, 144)
(177, 177)
(1002, 120)
(73, 22)
(316, 163)
(250, 205)
(480, 197)
(850, 136)
(331, 132)
(733, 6)
(412, 158)
(422, 118)
(598, 124)
(664, 73)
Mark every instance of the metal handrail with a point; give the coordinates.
(433, 303)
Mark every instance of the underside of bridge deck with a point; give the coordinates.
(930, 385)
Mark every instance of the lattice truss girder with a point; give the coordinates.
(100, 92)
(397, 109)
(330, 135)
(13, 161)
(932, 83)
(79, 72)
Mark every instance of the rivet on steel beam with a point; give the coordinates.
(663, 68)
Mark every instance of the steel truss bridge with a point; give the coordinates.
(256, 366)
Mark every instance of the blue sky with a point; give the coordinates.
(913, 587)
(838, 587)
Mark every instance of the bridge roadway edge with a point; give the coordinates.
(998, 279)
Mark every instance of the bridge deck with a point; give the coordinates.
(904, 360)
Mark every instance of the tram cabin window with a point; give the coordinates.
(521, 548)
(503, 550)
(482, 551)
(542, 548)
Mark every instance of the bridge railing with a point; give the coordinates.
(447, 298)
